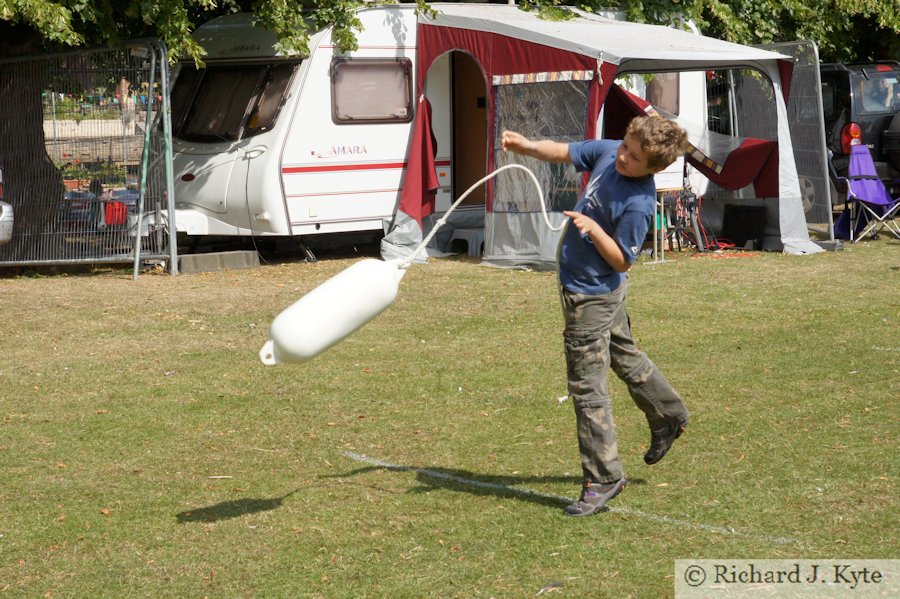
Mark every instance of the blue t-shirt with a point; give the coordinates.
(622, 206)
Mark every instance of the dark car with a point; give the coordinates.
(859, 102)
(129, 197)
(79, 211)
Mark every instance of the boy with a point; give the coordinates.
(599, 245)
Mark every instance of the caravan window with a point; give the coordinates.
(662, 92)
(271, 97)
(371, 90)
(228, 102)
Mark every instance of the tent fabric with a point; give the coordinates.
(734, 164)
(500, 53)
(592, 36)
(417, 198)
(791, 217)
(553, 76)
(753, 161)
(505, 40)
(499, 56)
(419, 191)
(497, 53)
(403, 238)
(521, 240)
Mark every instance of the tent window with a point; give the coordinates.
(371, 90)
(524, 108)
(228, 102)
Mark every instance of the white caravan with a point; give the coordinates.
(270, 145)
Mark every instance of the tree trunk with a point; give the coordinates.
(31, 182)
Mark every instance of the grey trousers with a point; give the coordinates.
(598, 335)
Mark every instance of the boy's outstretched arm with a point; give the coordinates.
(544, 149)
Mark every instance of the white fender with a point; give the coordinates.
(332, 311)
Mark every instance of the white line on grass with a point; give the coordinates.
(562, 499)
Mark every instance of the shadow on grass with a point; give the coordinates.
(483, 484)
(232, 509)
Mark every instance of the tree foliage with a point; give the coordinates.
(843, 29)
(62, 23)
(52, 24)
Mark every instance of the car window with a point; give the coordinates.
(877, 93)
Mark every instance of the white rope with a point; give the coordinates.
(443, 220)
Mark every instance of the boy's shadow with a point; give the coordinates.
(483, 484)
(428, 479)
(232, 509)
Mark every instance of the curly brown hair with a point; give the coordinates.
(661, 139)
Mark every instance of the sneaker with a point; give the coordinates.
(594, 497)
(661, 440)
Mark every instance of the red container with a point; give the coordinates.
(116, 213)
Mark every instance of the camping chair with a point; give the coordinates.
(869, 207)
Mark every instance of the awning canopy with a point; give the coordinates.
(635, 45)
(509, 42)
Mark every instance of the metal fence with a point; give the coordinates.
(85, 157)
(804, 110)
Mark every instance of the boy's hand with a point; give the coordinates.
(585, 224)
(542, 149)
(511, 141)
(605, 245)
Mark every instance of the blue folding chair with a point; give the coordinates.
(869, 207)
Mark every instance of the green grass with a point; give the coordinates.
(145, 451)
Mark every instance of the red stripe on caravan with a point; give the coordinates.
(372, 47)
(340, 193)
(334, 168)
